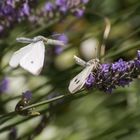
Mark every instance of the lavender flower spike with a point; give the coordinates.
(15, 11)
(64, 39)
(4, 83)
(85, 1)
(90, 81)
(49, 7)
(111, 76)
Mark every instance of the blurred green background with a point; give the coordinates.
(94, 116)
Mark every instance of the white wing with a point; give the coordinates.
(16, 57)
(34, 60)
(78, 81)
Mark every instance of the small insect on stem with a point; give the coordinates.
(24, 102)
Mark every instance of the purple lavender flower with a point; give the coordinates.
(7, 10)
(79, 12)
(120, 66)
(64, 38)
(111, 76)
(10, 2)
(58, 49)
(25, 100)
(137, 63)
(27, 95)
(62, 4)
(13, 12)
(49, 7)
(4, 83)
(105, 68)
(25, 10)
(85, 1)
(73, 6)
(90, 81)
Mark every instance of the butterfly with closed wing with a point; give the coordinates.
(79, 80)
(31, 57)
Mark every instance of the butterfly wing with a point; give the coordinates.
(16, 57)
(34, 60)
(78, 81)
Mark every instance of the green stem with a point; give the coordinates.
(123, 50)
(46, 101)
(77, 96)
(80, 94)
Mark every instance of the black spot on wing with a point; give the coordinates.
(32, 62)
(77, 80)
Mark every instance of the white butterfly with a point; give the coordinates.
(79, 81)
(31, 57)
